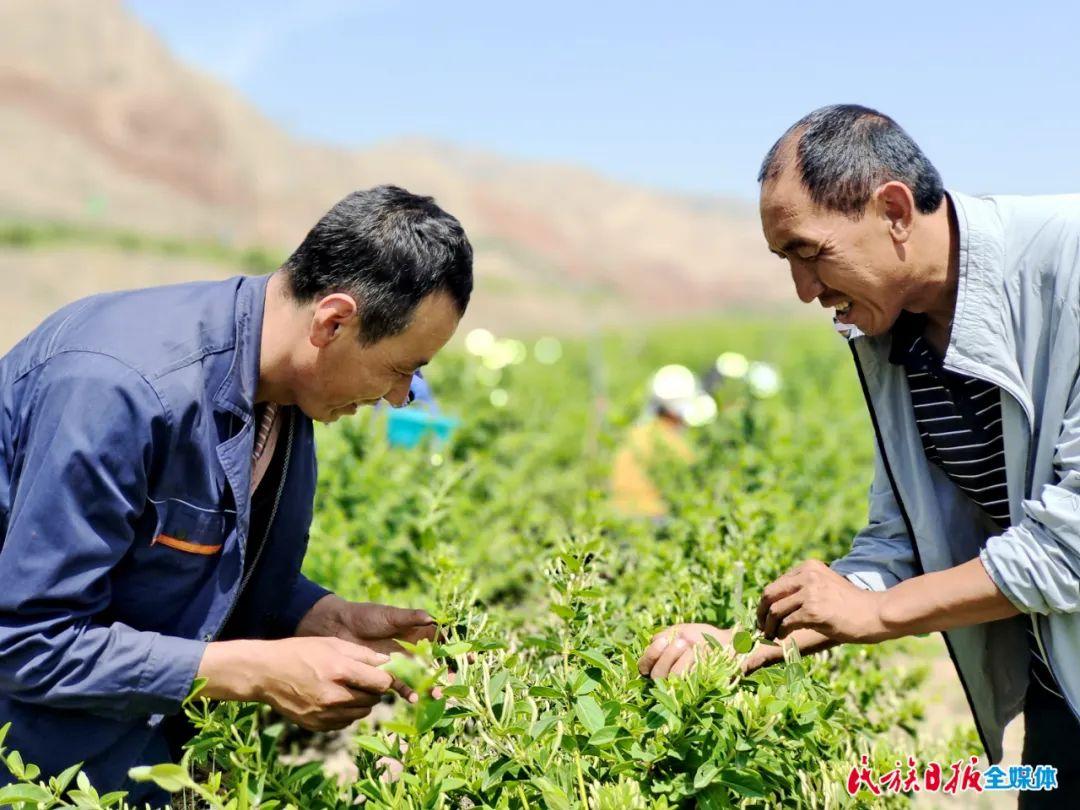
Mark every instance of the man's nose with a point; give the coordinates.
(399, 394)
(807, 284)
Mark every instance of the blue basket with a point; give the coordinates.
(405, 427)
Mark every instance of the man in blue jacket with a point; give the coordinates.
(157, 474)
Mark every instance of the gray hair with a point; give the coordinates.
(845, 151)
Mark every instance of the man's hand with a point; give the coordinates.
(319, 683)
(377, 627)
(813, 596)
(674, 650)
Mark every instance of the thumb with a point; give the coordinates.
(389, 620)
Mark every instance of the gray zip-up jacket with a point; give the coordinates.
(1017, 325)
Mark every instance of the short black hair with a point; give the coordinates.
(387, 248)
(845, 151)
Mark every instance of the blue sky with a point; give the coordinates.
(685, 96)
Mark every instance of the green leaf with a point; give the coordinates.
(583, 684)
(487, 645)
(453, 649)
(61, 782)
(15, 764)
(743, 642)
(167, 776)
(595, 658)
(496, 686)
(429, 713)
(546, 692)
(589, 713)
(375, 745)
(14, 794)
(196, 687)
(604, 736)
(554, 797)
(744, 782)
(563, 611)
(407, 670)
(667, 701)
(404, 728)
(705, 776)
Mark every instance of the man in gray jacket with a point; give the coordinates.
(963, 318)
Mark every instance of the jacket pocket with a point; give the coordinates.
(188, 529)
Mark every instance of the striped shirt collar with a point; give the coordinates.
(906, 336)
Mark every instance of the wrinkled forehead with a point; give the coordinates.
(786, 209)
(433, 324)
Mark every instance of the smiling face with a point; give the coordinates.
(338, 373)
(854, 266)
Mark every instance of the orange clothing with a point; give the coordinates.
(633, 491)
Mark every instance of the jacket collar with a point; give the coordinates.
(982, 340)
(236, 393)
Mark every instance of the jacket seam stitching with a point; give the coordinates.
(162, 401)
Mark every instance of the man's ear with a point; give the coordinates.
(333, 316)
(896, 205)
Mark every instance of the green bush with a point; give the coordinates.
(548, 597)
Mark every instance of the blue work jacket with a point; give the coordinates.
(126, 433)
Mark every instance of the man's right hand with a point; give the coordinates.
(320, 684)
(674, 650)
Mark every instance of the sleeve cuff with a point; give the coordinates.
(304, 595)
(168, 674)
(987, 557)
(867, 580)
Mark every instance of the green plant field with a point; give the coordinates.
(30, 234)
(548, 597)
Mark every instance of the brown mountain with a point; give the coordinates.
(101, 124)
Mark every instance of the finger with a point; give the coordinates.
(685, 662)
(777, 589)
(668, 632)
(402, 689)
(778, 610)
(652, 653)
(365, 655)
(331, 719)
(750, 662)
(784, 586)
(369, 679)
(389, 621)
(355, 699)
(416, 632)
(668, 658)
(796, 621)
(334, 719)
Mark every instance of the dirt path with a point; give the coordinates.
(946, 709)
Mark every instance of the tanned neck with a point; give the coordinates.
(274, 358)
(937, 295)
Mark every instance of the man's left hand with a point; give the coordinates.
(812, 595)
(377, 627)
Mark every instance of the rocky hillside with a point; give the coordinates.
(101, 125)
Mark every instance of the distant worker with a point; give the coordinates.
(675, 401)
